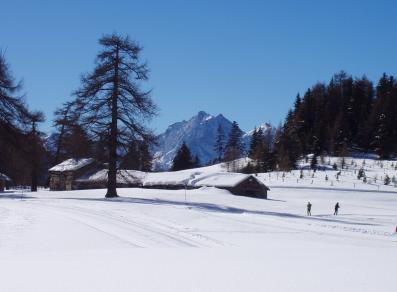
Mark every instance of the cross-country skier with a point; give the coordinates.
(309, 209)
(336, 208)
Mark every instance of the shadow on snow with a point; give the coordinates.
(209, 207)
(14, 195)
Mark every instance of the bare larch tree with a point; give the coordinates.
(110, 101)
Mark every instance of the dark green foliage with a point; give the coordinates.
(249, 168)
(314, 162)
(71, 139)
(138, 157)
(183, 159)
(219, 145)
(234, 147)
(342, 116)
(361, 173)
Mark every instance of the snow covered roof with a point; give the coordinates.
(169, 178)
(72, 164)
(4, 177)
(123, 176)
(226, 179)
(211, 176)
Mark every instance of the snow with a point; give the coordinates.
(375, 172)
(205, 239)
(168, 178)
(4, 177)
(214, 175)
(123, 176)
(72, 164)
(223, 179)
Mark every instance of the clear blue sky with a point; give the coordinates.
(245, 59)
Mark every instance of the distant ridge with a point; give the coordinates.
(199, 133)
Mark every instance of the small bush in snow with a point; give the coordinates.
(386, 181)
(361, 173)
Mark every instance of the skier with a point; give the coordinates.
(309, 209)
(336, 208)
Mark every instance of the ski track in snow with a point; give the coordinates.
(214, 241)
(135, 232)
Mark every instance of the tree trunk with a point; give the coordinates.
(33, 185)
(112, 173)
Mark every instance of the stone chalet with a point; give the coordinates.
(3, 181)
(63, 176)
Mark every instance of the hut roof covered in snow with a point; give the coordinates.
(72, 164)
(123, 176)
(224, 180)
(168, 178)
(4, 177)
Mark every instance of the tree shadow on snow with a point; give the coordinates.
(209, 207)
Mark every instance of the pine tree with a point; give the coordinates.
(183, 159)
(257, 145)
(63, 122)
(196, 162)
(77, 143)
(234, 148)
(138, 157)
(387, 180)
(219, 146)
(314, 162)
(384, 117)
(287, 144)
(110, 102)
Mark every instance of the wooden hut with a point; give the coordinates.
(236, 183)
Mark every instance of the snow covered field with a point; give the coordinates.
(151, 240)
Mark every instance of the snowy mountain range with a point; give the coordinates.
(199, 133)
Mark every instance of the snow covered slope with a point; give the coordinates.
(208, 240)
(346, 178)
(199, 133)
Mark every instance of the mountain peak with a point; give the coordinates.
(199, 133)
(202, 115)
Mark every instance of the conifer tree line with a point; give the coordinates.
(344, 116)
(228, 148)
(184, 159)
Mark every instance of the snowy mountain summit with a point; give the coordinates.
(199, 133)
